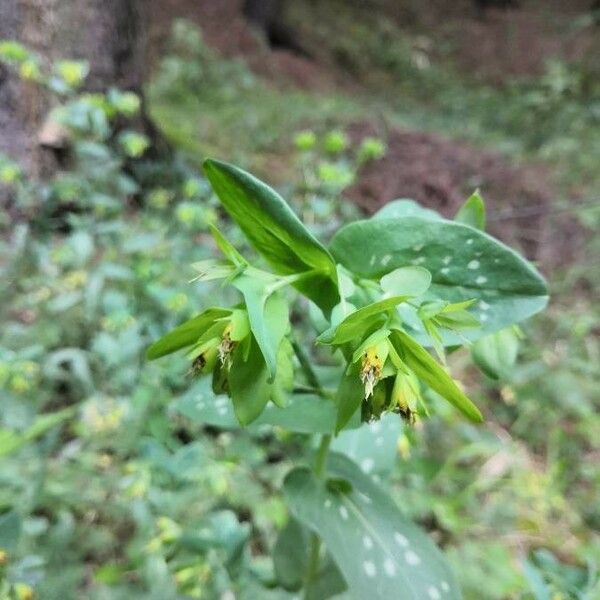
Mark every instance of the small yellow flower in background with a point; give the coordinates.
(75, 279)
(23, 591)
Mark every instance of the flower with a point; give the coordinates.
(372, 365)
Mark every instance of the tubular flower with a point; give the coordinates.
(406, 396)
(226, 347)
(372, 366)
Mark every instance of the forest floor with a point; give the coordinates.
(390, 61)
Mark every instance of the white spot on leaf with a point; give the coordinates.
(328, 503)
(418, 247)
(389, 567)
(447, 260)
(481, 280)
(412, 558)
(474, 264)
(470, 241)
(370, 568)
(445, 586)
(367, 465)
(386, 259)
(445, 271)
(433, 593)
(484, 305)
(367, 542)
(344, 512)
(401, 540)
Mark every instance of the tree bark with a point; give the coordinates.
(109, 34)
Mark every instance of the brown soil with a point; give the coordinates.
(225, 29)
(441, 173)
(496, 45)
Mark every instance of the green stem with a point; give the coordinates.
(304, 361)
(312, 568)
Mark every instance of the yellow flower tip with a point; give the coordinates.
(226, 347)
(370, 372)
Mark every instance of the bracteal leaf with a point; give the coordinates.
(430, 372)
(268, 314)
(185, 334)
(465, 264)
(472, 212)
(275, 231)
(380, 553)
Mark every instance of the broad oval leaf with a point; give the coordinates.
(407, 281)
(430, 372)
(380, 553)
(274, 230)
(465, 264)
(304, 413)
(405, 207)
(373, 446)
(186, 334)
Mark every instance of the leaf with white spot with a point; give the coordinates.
(380, 553)
(304, 413)
(464, 263)
(374, 446)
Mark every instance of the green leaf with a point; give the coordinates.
(405, 207)
(349, 397)
(268, 314)
(211, 269)
(496, 354)
(290, 555)
(430, 372)
(464, 263)
(373, 446)
(284, 380)
(406, 281)
(304, 413)
(274, 230)
(249, 383)
(226, 247)
(290, 559)
(185, 334)
(354, 326)
(472, 212)
(380, 553)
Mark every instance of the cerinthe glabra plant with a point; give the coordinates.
(387, 288)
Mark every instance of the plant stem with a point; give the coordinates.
(312, 568)
(304, 361)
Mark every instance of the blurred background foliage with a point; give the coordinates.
(107, 488)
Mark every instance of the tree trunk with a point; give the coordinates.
(109, 34)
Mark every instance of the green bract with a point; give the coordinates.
(388, 287)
